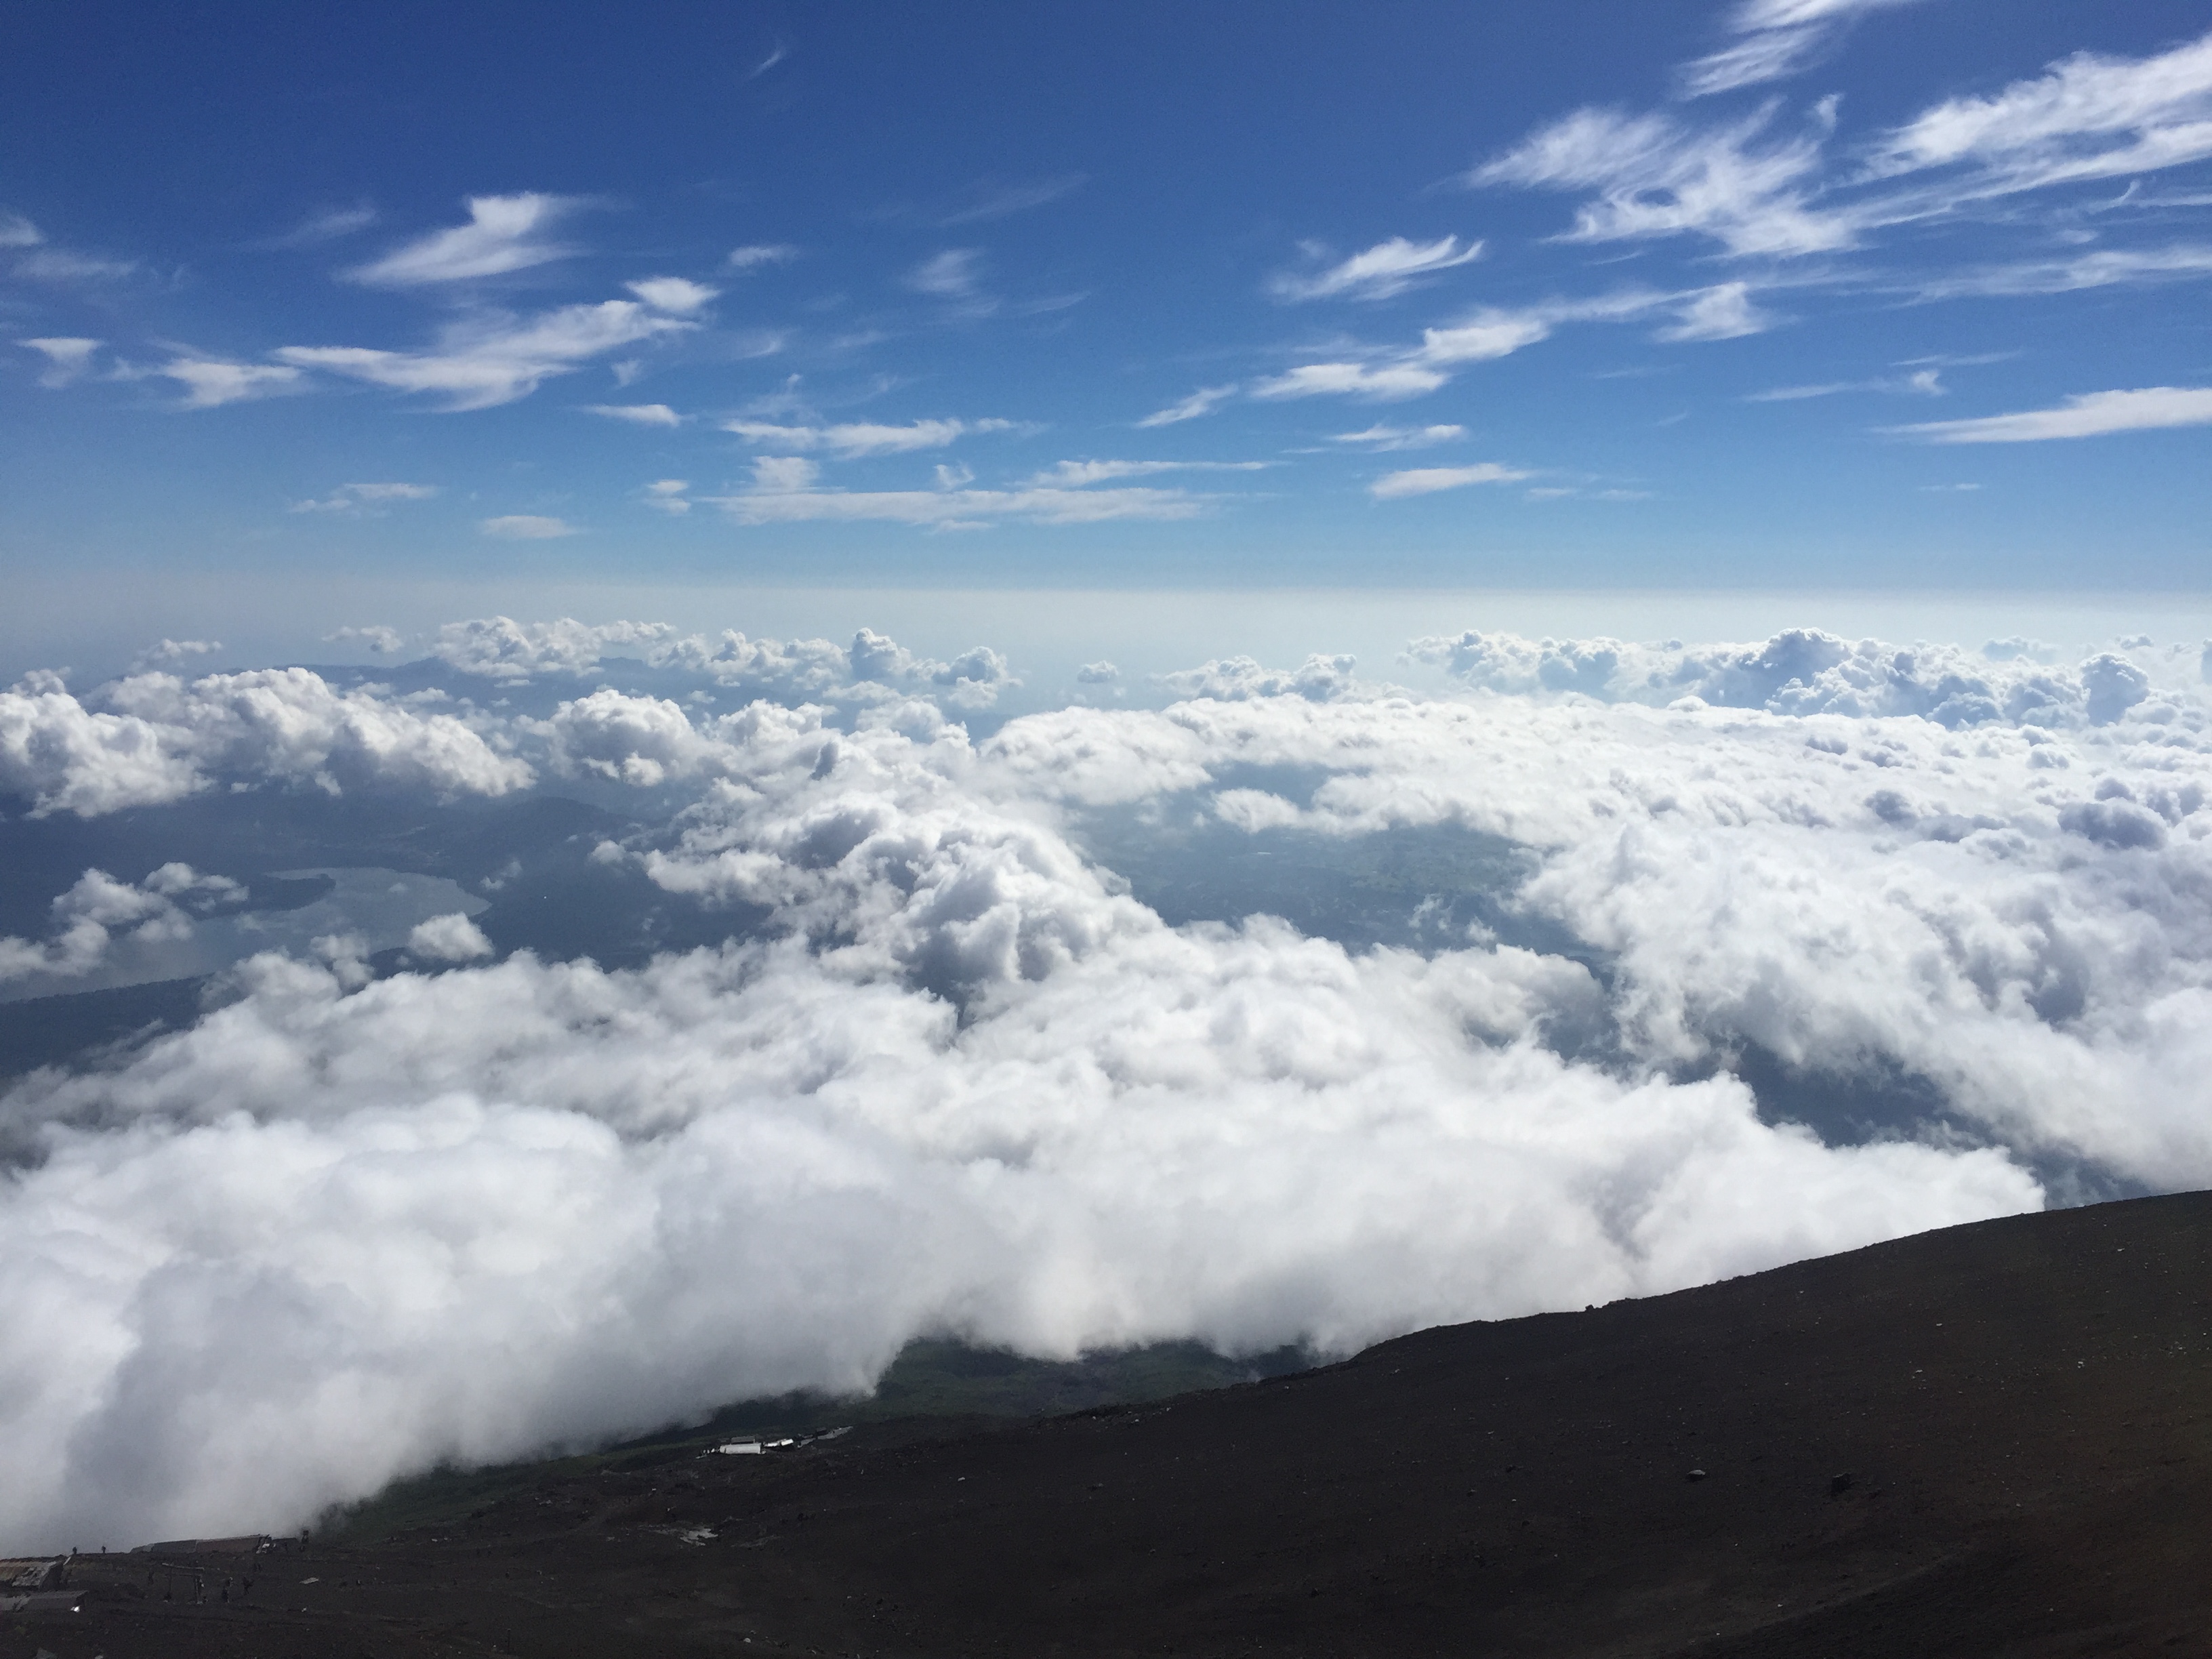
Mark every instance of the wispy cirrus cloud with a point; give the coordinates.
(787, 490)
(68, 358)
(1923, 382)
(1779, 39)
(1075, 475)
(853, 439)
(1380, 272)
(1382, 382)
(755, 255)
(668, 496)
(1200, 402)
(484, 361)
(2087, 117)
(954, 274)
(980, 201)
(526, 527)
(1738, 182)
(2091, 414)
(2105, 268)
(637, 414)
(366, 500)
(1430, 480)
(323, 225)
(36, 259)
(1760, 190)
(1722, 312)
(212, 382)
(989, 199)
(504, 234)
(1376, 439)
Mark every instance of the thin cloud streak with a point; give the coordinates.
(1200, 402)
(1430, 480)
(2092, 414)
(1383, 271)
(504, 234)
(483, 363)
(855, 439)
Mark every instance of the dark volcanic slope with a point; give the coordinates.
(1995, 1439)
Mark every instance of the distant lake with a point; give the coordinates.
(379, 906)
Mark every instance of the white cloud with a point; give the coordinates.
(2091, 414)
(1759, 192)
(171, 653)
(450, 938)
(678, 295)
(1782, 37)
(1487, 335)
(486, 362)
(210, 383)
(990, 200)
(1655, 177)
(1077, 475)
(1771, 54)
(667, 496)
(366, 500)
(56, 265)
(150, 739)
(1922, 382)
(2105, 268)
(1386, 382)
(779, 473)
(500, 648)
(1428, 480)
(855, 439)
(2089, 116)
(1202, 402)
(869, 670)
(1494, 332)
(49, 264)
(972, 1085)
(1381, 271)
(504, 234)
(1240, 679)
(637, 414)
(755, 255)
(328, 225)
(784, 492)
(1380, 438)
(1790, 14)
(1721, 312)
(952, 275)
(382, 641)
(526, 527)
(69, 359)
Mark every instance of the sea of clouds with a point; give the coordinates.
(356, 1222)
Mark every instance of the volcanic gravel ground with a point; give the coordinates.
(1995, 1439)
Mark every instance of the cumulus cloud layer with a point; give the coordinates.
(968, 1081)
(871, 668)
(150, 739)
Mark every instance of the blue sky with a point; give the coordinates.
(1785, 293)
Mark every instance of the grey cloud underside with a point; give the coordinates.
(1299, 1007)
